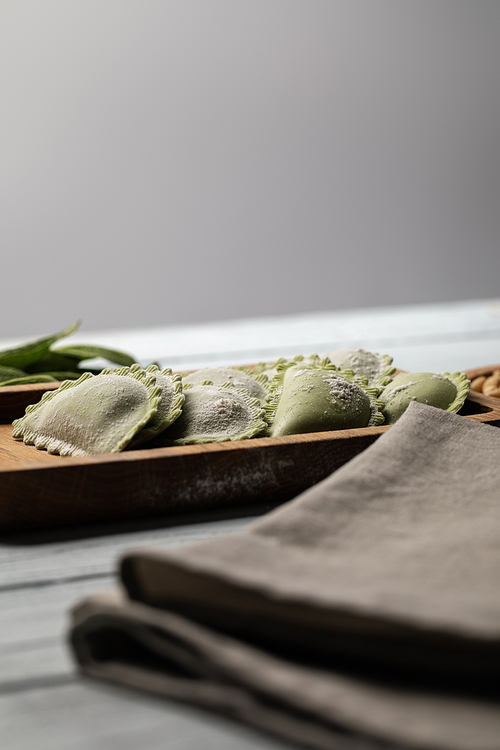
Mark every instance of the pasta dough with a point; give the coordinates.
(445, 391)
(169, 407)
(215, 413)
(94, 414)
(313, 398)
(376, 368)
(240, 378)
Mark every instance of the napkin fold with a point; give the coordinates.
(363, 614)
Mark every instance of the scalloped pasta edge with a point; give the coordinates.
(372, 391)
(64, 448)
(258, 424)
(148, 433)
(462, 383)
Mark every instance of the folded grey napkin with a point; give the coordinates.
(365, 613)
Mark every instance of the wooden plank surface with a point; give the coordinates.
(43, 701)
(44, 704)
(83, 715)
(58, 572)
(41, 558)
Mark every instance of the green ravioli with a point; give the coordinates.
(215, 413)
(94, 414)
(314, 398)
(445, 391)
(268, 369)
(169, 408)
(376, 368)
(239, 377)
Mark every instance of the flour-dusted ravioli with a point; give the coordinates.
(269, 369)
(445, 391)
(169, 408)
(215, 413)
(240, 378)
(94, 414)
(314, 398)
(376, 368)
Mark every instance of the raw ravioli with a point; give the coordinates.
(94, 414)
(269, 369)
(240, 378)
(215, 413)
(376, 368)
(316, 398)
(169, 408)
(445, 391)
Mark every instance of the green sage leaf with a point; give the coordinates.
(39, 378)
(24, 355)
(87, 351)
(7, 373)
(53, 361)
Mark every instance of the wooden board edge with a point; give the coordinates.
(476, 372)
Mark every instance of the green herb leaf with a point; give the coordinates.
(40, 378)
(24, 355)
(87, 351)
(7, 373)
(53, 361)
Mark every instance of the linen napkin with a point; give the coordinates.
(363, 614)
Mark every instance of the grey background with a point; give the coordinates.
(194, 160)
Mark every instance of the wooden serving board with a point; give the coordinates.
(485, 370)
(41, 490)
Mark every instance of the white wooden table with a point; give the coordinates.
(44, 703)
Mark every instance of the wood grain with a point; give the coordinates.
(15, 398)
(485, 370)
(33, 559)
(81, 714)
(40, 490)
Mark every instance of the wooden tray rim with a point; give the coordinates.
(476, 372)
(153, 454)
